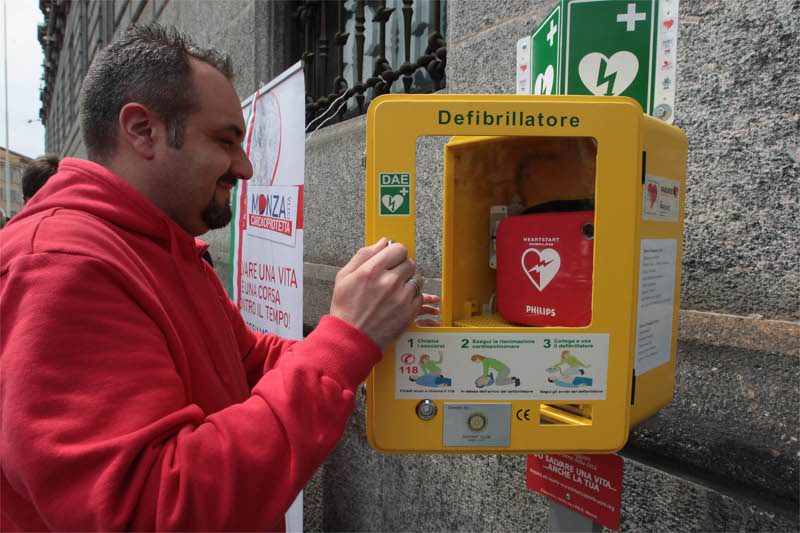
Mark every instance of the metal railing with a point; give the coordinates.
(335, 63)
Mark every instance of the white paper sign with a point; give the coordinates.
(471, 366)
(666, 61)
(524, 66)
(662, 199)
(657, 264)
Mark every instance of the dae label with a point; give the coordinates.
(395, 194)
(468, 366)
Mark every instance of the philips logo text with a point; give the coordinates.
(536, 310)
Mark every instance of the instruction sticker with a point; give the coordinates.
(662, 199)
(657, 264)
(488, 366)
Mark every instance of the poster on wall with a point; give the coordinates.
(267, 240)
(267, 233)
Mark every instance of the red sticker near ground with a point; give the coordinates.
(588, 484)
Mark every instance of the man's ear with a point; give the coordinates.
(140, 129)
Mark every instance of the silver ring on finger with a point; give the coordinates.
(416, 283)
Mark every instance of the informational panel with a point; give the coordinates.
(657, 266)
(267, 233)
(475, 366)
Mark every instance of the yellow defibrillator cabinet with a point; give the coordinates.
(561, 253)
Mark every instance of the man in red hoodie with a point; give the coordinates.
(133, 394)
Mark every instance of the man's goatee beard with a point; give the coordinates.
(216, 216)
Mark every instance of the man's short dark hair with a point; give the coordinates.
(37, 173)
(151, 65)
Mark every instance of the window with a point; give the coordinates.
(356, 50)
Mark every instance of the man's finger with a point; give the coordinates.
(430, 299)
(389, 257)
(429, 310)
(362, 256)
(415, 285)
(417, 303)
(404, 270)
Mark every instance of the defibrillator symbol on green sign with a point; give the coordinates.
(546, 55)
(395, 194)
(610, 49)
(605, 48)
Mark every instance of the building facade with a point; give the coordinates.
(17, 164)
(725, 455)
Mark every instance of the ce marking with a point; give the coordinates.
(523, 413)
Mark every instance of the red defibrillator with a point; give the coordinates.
(544, 265)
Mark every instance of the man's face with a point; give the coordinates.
(201, 174)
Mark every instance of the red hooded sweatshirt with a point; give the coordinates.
(132, 394)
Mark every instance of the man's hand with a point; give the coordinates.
(372, 294)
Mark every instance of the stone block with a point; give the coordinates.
(737, 102)
(654, 500)
(334, 193)
(316, 300)
(430, 200)
(227, 25)
(468, 17)
(273, 48)
(486, 63)
(314, 503)
(735, 411)
(353, 483)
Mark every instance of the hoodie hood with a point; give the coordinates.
(85, 186)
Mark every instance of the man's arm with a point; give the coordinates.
(98, 431)
(259, 352)
(363, 295)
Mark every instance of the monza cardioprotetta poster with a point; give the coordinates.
(267, 240)
(267, 231)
